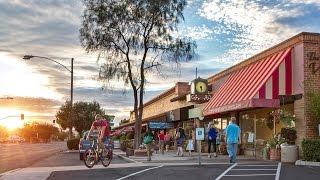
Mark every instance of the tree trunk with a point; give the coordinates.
(136, 132)
(70, 132)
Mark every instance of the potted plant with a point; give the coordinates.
(273, 145)
(289, 151)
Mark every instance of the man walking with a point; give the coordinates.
(233, 138)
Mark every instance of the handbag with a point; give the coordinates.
(147, 139)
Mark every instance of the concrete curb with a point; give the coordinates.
(306, 163)
(126, 158)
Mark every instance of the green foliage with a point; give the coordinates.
(315, 104)
(289, 134)
(311, 150)
(39, 131)
(62, 136)
(275, 142)
(123, 137)
(73, 144)
(130, 136)
(83, 115)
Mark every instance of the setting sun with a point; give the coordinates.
(12, 123)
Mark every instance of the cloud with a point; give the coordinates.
(250, 26)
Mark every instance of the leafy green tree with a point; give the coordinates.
(135, 38)
(39, 131)
(83, 115)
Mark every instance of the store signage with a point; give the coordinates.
(314, 61)
(200, 134)
(160, 125)
(198, 98)
(195, 112)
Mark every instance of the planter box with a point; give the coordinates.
(141, 152)
(129, 152)
(289, 153)
(275, 154)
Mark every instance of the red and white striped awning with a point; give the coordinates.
(256, 85)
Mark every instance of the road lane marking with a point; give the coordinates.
(250, 175)
(253, 169)
(257, 165)
(278, 171)
(226, 171)
(139, 172)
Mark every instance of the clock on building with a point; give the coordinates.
(199, 86)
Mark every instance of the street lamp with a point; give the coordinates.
(28, 57)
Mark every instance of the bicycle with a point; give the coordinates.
(94, 154)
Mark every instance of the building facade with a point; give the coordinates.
(278, 78)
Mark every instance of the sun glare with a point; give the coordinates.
(12, 124)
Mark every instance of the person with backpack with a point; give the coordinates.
(212, 136)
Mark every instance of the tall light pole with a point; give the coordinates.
(28, 57)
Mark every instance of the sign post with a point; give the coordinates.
(199, 138)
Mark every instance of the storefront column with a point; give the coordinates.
(198, 144)
(300, 122)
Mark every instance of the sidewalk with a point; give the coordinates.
(171, 156)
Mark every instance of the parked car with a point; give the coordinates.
(86, 142)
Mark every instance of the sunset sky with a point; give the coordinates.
(226, 32)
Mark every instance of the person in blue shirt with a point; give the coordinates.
(233, 138)
(212, 136)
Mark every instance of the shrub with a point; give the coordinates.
(315, 105)
(289, 134)
(311, 150)
(130, 136)
(73, 144)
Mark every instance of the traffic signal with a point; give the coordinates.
(22, 116)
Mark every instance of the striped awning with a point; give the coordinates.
(256, 85)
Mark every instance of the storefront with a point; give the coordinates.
(275, 79)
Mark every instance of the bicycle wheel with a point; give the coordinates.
(90, 157)
(106, 157)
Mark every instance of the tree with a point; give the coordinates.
(39, 131)
(83, 115)
(135, 37)
(3, 133)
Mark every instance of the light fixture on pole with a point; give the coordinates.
(28, 57)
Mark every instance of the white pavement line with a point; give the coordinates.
(226, 171)
(253, 169)
(278, 171)
(8, 172)
(139, 172)
(251, 175)
(257, 165)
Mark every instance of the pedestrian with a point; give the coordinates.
(233, 138)
(161, 141)
(190, 146)
(179, 144)
(212, 136)
(167, 139)
(180, 137)
(147, 140)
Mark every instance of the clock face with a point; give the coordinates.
(201, 87)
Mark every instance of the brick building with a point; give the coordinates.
(279, 77)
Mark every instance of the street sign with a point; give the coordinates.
(200, 134)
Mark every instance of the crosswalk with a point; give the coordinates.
(245, 171)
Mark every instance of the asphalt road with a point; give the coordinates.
(14, 156)
(191, 172)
